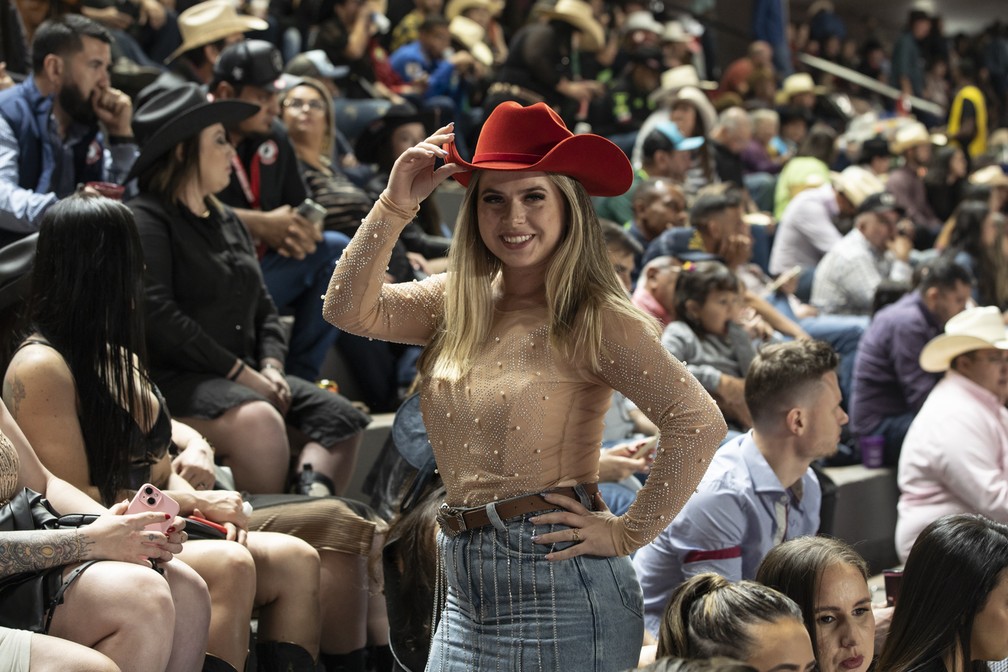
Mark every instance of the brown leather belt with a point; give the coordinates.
(453, 521)
(519, 92)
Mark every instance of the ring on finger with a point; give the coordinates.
(575, 534)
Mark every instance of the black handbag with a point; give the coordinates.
(28, 600)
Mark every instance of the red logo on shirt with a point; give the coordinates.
(268, 152)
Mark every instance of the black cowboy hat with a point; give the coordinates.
(177, 114)
(375, 134)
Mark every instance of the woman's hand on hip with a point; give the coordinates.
(414, 177)
(588, 529)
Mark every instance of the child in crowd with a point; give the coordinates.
(707, 338)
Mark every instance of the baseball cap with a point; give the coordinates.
(251, 63)
(882, 201)
(316, 63)
(675, 136)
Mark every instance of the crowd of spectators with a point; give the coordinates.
(811, 244)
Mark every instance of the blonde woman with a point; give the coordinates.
(527, 334)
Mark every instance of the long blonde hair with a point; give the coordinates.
(581, 287)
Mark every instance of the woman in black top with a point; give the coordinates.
(215, 340)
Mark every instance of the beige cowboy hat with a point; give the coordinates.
(857, 184)
(973, 329)
(674, 32)
(991, 176)
(458, 7)
(578, 13)
(210, 21)
(800, 82)
(641, 20)
(471, 34)
(909, 136)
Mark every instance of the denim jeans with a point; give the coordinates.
(297, 287)
(508, 608)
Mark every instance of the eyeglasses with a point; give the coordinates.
(298, 104)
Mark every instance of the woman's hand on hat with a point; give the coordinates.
(588, 529)
(414, 177)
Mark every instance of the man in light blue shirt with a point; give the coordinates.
(759, 490)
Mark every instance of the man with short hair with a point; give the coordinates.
(728, 139)
(955, 455)
(51, 136)
(889, 385)
(759, 490)
(875, 249)
(622, 250)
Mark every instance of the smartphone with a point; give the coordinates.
(149, 498)
(201, 528)
(646, 448)
(313, 212)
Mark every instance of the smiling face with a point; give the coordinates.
(215, 154)
(521, 218)
(844, 622)
(781, 646)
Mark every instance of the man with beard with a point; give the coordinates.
(50, 135)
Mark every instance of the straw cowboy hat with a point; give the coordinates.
(578, 14)
(642, 20)
(991, 176)
(210, 21)
(909, 136)
(795, 84)
(973, 329)
(458, 7)
(175, 115)
(857, 184)
(534, 138)
(471, 34)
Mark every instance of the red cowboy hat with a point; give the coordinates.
(535, 138)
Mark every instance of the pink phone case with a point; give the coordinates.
(149, 498)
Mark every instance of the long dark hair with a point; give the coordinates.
(86, 300)
(795, 568)
(967, 233)
(953, 566)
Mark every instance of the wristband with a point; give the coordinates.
(237, 372)
(121, 140)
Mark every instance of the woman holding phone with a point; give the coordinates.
(216, 343)
(111, 603)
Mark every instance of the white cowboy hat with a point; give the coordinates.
(471, 34)
(909, 136)
(973, 329)
(457, 7)
(641, 20)
(800, 82)
(210, 21)
(857, 184)
(991, 176)
(578, 13)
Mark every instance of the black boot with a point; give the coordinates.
(283, 657)
(312, 483)
(344, 662)
(379, 659)
(215, 664)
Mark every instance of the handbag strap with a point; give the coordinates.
(57, 599)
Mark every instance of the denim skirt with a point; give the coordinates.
(508, 608)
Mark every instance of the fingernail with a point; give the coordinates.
(167, 516)
(170, 530)
(534, 520)
(535, 538)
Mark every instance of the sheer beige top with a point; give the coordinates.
(524, 419)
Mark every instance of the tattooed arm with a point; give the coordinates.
(42, 549)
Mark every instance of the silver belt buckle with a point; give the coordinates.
(446, 513)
